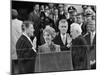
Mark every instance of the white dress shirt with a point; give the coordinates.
(63, 37)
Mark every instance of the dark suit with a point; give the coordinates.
(57, 40)
(26, 55)
(70, 21)
(79, 53)
(35, 18)
(92, 50)
(84, 30)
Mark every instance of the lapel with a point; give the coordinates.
(61, 39)
(29, 45)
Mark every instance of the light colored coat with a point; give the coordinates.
(15, 34)
(46, 49)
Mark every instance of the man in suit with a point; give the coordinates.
(79, 48)
(80, 21)
(90, 36)
(72, 16)
(63, 38)
(34, 16)
(25, 50)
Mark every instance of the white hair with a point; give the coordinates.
(76, 27)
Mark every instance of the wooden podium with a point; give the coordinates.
(53, 62)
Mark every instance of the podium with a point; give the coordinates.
(53, 62)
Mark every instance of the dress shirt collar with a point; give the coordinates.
(27, 37)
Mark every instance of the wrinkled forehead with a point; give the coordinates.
(63, 22)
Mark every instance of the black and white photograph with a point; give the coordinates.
(52, 37)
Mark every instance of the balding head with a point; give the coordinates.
(75, 30)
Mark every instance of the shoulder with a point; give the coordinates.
(57, 36)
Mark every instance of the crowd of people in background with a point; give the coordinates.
(56, 28)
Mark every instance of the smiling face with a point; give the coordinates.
(30, 30)
(79, 19)
(47, 37)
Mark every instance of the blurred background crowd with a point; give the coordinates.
(49, 21)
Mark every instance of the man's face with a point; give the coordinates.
(73, 16)
(79, 19)
(56, 11)
(47, 37)
(91, 27)
(37, 7)
(73, 33)
(63, 27)
(30, 30)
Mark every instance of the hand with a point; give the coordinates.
(69, 45)
(34, 42)
(92, 62)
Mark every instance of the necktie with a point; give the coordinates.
(64, 39)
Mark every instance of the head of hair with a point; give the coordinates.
(76, 27)
(63, 21)
(14, 13)
(79, 14)
(26, 24)
(50, 30)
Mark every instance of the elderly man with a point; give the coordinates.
(79, 48)
(90, 36)
(25, 49)
(63, 38)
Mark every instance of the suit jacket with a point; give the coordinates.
(24, 48)
(92, 48)
(57, 40)
(70, 21)
(35, 18)
(48, 49)
(79, 53)
(84, 30)
(26, 55)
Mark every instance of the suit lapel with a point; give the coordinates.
(62, 41)
(27, 41)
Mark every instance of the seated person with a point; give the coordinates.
(49, 46)
(63, 38)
